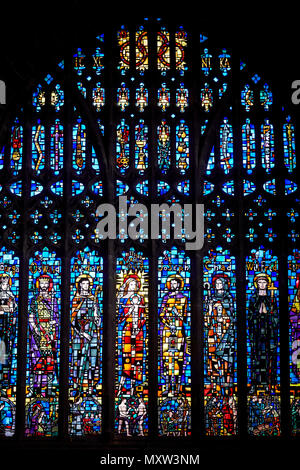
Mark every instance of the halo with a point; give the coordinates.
(220, 276)
(83, 276)
(36, 407)
(132, 276)
(262, 276)
(3, 275)
(178, 278)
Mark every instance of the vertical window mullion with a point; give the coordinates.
(282, 245)
(153, 309)
(109, 261)
(197, 327)
(65, 255)
(23, 304)
(240, 253)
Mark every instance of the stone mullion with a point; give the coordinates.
(109, 250)
(240, 251)
(67, 119)
(23, 294)
(153, 247)
(197, 325)
(281, 244)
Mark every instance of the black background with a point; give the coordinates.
(34, 33)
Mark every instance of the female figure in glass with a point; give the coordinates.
(220, 323)
(263, 324)
(132, 317)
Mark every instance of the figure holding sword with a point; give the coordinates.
(85, 327)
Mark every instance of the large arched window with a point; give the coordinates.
(136, 338)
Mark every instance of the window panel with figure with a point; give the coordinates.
(132, 395)
(174, 361)
(263, 343)
(43, 346)
(85, 382)
(220, 336)
(9, 295)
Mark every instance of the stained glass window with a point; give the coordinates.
(86, 319)
(248, 135)
(141, 38)
(267, 145)
(57, 146)
(132, 394)
(263, 342)
(9, 278)
(294, 311)
(43, 351)
(289, 145)
(123, 42)
(174, 326)
(163, 50)
(134, 337)
(220, 353)
(16, 147)
(79, 146)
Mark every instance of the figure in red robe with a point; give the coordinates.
(132, 317)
